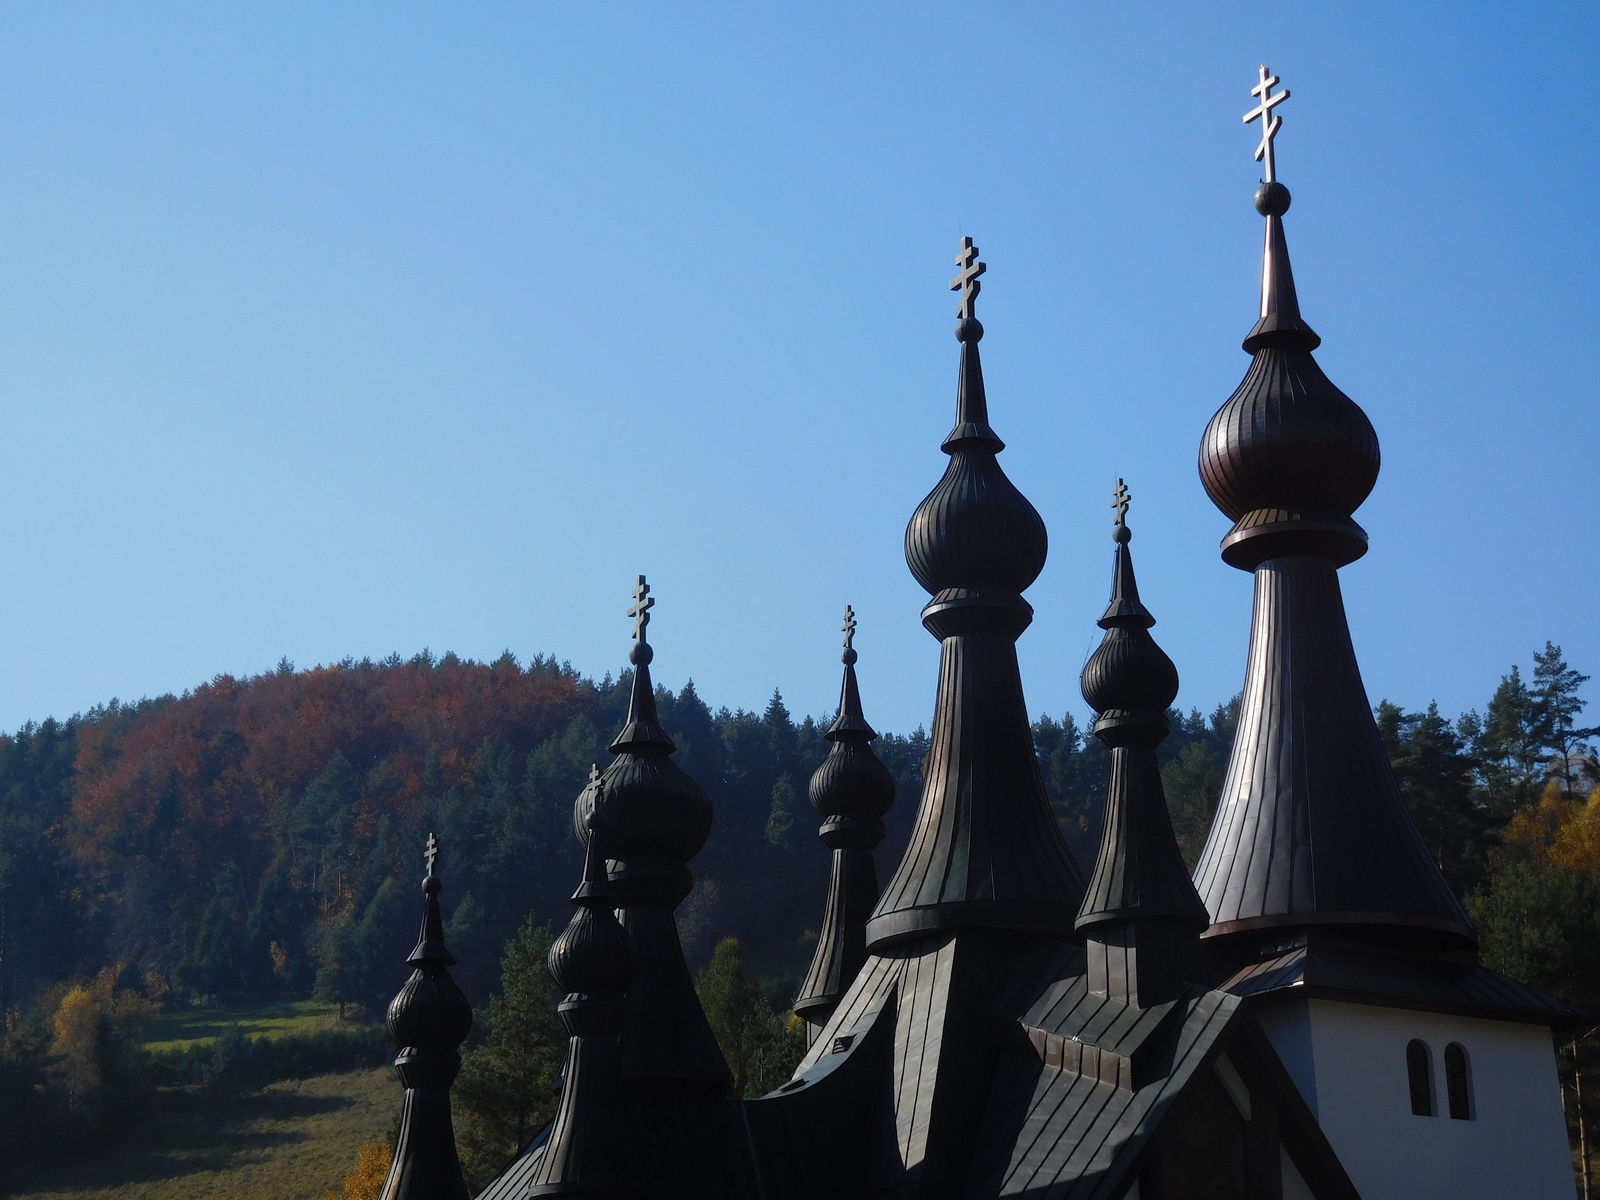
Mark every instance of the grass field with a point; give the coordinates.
(197, 1026)
(290, 1141)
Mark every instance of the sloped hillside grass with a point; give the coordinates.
(290, 1141)
(190, 1028)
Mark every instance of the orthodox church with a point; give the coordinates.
(1304, 1017)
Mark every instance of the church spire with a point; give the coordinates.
(1310, 829)
(1141, 915)
(986, 851)
(851, 791)
(654, 819)
(593, 962)
(428, 1020)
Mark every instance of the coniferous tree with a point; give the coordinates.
(506, 1091)
(1556, 709)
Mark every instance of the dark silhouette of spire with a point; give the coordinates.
(986, 851)
(656, 819)
(1141, 914)
(851, 791)
(590, 1150)
(1310, 829)
(428, 1020)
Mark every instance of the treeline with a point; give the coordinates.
(262, 837)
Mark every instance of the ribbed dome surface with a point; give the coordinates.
(1288, 439)
(1128, 671)
(651, 808)
(593, 954)
(975, 530)
(430, 1010)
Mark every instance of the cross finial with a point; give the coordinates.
(431, 854)
(643, 602)
(849, 627)
(1269, 122)
(966, 282)
(1119, 501)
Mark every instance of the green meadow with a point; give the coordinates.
(289, 1141)
(192, 1027)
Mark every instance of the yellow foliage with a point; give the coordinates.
(1557, 831)
(365, 1180)
(77, 1029)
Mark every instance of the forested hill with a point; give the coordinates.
(263, 836)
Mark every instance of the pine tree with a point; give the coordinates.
(507, 1088)
(1509, 745)
(1556, 709)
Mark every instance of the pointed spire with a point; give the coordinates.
(1280, 322)
(593, 962)
(986, 851)
(1141, 913)
(429, 1019)
(643, 726)
(851, 791)
(655, 818)
(1310, 829)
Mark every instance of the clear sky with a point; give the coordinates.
(338, 329)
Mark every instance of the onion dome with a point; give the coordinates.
(594, 962)
(657, 818)
(974, 539)
(851, 791)
(594, 956)
(986, 851)
(1310, 829)
(1289, 457)
(1128, 678)
(654, 818)
(1139, 874)
(429, 1019)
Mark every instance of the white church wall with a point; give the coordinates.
(1349, 1061)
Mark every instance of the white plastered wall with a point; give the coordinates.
(1349, 1061)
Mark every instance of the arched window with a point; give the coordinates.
(1458, 1081)
(1419, 1073)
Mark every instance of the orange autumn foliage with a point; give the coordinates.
(176, 787)
(1556, 832)
(365, 1180)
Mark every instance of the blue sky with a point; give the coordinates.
(344, 329)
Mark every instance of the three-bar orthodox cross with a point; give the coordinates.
(849, 627)
(430, 854)
(643, 602)
(967, 281)
(1119, 501)
(1269, 122)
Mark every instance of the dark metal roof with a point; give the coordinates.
(985, 851)
(1310, 828)
(851, 791)
(1330, 971)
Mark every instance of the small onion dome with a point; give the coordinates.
(650, 809)
(594, 954)
(851, 782)
(430, 1009)
(1128, 672)
(975, 531)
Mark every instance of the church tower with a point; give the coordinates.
(1429, 1074)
